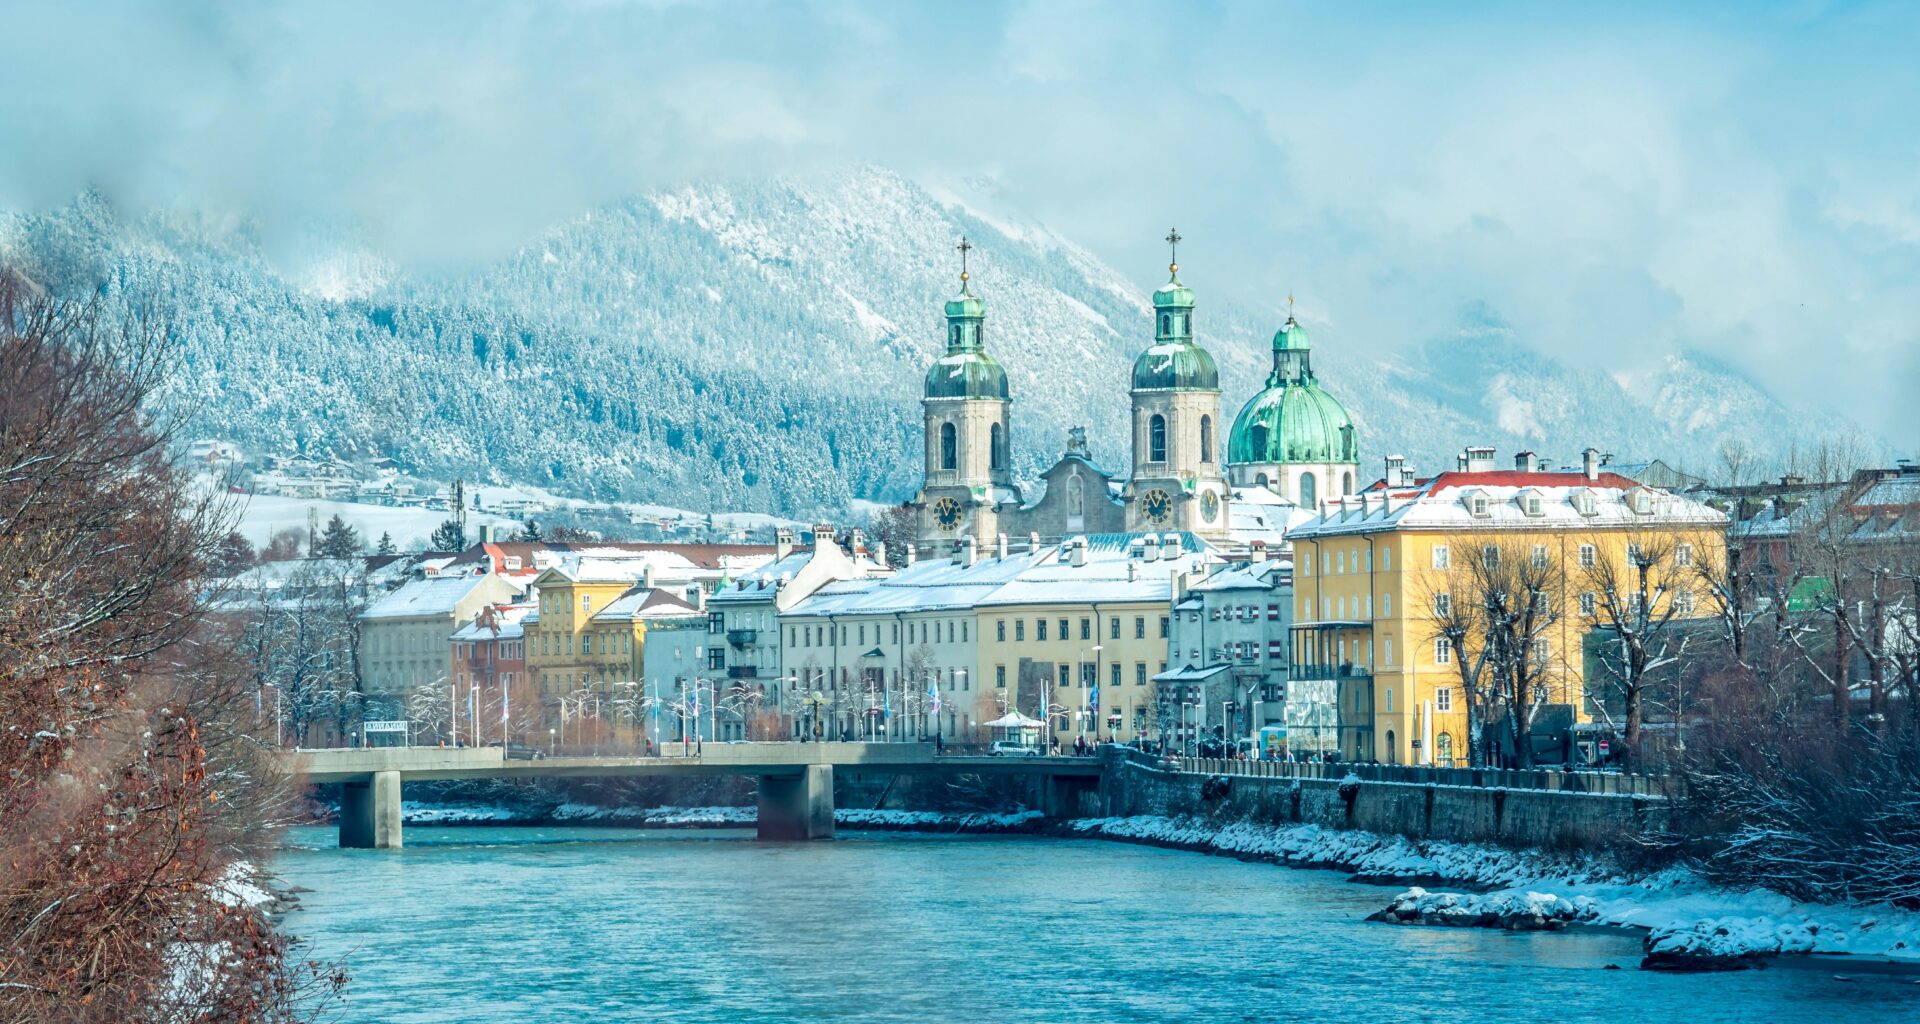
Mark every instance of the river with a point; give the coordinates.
(596, 924)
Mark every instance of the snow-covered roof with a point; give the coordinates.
(1497, 501)
(435, 595)
(508, 624)
(644, 603)
(1263, 575)
(1046, 576)
(1257, 513)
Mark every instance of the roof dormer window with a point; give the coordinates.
(1584, 503)
(1476, 503)
(1529, 502)
(1640, 500)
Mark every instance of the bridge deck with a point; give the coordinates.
(419, 764)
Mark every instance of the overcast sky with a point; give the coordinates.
(1615, 183)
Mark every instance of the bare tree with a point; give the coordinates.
(1633, 588)
(1457, 628)
(1515, 586)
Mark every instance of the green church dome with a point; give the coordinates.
(1293, 419)
(1175, 365)
(966, 374)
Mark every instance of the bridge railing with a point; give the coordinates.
(1615, 783)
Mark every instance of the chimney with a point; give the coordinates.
(1170, 546)
(1150, 549)
(1033, 541)
(1396, 465)
(880, 552)
(646, 576)
(1479, 459)
(1259, 549)
(699, 595)
(1079, 556)
(1590, 463)
(999, 546)
(1526, 462)
(969, 550)
(1460, 462)
(782, 543)
(913, 552)
(822, 536)
(858, 542)
(1133, 571)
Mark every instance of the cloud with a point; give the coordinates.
(1618, 183)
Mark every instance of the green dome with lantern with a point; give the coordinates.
(1174, 362)
(1293, 419)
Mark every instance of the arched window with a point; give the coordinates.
(1346, 483)
(1260, 481)
(1157, 439)
(1308, 497)
(1206, 439)
(998, 453)
(949, 447)
(1258, 435)
(1166, 321)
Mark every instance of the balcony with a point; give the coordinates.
(1311, 672)
(742, 671)
(741, 637)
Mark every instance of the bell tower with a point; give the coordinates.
(968, 472)
(1177, 481)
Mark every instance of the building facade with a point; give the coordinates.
(403, 643)
(1379, 577)
(1228, 661)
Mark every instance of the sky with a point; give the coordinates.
(1614, 182)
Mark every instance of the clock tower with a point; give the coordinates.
(1177, 483)
(968, 468)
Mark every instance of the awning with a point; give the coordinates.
(1015, 720)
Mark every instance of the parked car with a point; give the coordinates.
(1010, 748)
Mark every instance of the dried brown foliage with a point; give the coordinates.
(129, 785)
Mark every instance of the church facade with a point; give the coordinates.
(1292, 441)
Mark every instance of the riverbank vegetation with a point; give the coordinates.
(132, 792)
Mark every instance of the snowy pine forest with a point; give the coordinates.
(760, 346)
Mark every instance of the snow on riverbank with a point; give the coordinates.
(1689, 922)
(691, 817)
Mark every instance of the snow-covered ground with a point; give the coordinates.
(1684, 915)
(265, 515)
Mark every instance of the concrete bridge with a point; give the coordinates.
(796, 779)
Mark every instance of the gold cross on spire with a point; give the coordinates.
(1173, 248)
(964, 247)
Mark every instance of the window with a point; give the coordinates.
(1386, 605)
(1389, 642)
(586, 643)
(1340, 561)
(996, 451)
(1039, 629)
(1139, 627)
(1063, 629)
(949, 447)
(1113, 628)
(716, 622)
(1586, 556)
(1206, 439)
(963, 631)
(1139, 673)
(1000, 630)
(1019, 629)
(1542, 605)
(1533, 505)
(1000, 677)
(1683, 554)
(1086, 629)
(1386, 560)
(1443, 699)
(1633, 554)
(1066, 677)
(1479, 505)
(716, 657)
(1114, 676)
(1542, 649)
(1441, 559)
(1163, 627)
(1157, 438)
(1588, 603)
(1442, 605)
(1442, 651)
(1583, 503)
(1683, 602)
(1539, 556)
(1490, 556)
(1308, 497)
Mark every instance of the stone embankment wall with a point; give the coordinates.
(1519, 817)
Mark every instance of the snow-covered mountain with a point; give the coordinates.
(761, 346)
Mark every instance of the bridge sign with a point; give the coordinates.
(392, 726)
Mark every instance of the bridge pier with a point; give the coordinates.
(797, 806)
(370, 813)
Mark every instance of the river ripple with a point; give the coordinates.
(596, 924)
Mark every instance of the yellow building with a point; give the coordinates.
(589, 628)
(1391, 587)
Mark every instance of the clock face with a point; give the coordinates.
(1209, 505)
(946, 512)
(1156, 505)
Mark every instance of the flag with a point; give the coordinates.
(933, 694)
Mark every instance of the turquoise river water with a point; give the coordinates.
(572, 924)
